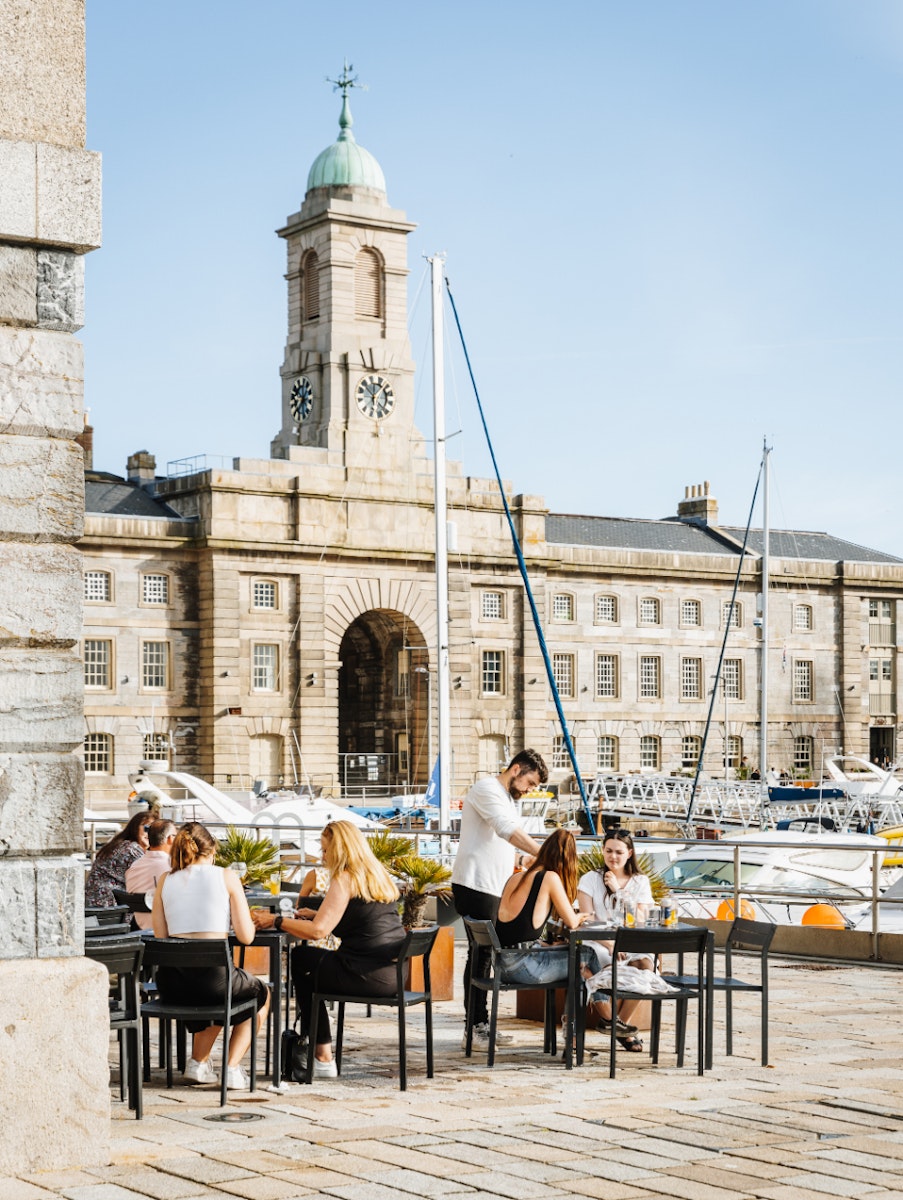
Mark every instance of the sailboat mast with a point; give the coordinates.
(443, 708)
(763, 692)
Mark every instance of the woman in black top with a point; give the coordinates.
(361, 908)
(528, 901)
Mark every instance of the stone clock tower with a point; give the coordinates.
(348, 376)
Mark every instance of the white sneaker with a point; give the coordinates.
(199, 1072)
(481, 1036)
(237, 1080)
(325, 1070)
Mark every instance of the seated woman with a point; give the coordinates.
(114, 859)
(195, 899)
(361, 908)
(528, 900)
(598, 892)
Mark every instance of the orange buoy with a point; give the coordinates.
(823, 916)
(726, 910)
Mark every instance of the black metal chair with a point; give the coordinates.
(134, 902)
(111, 914)
(122, 958)
(652, 943)
(96, 929)
(201, 954)
(418, 943)
(755, 936)
(482, 936)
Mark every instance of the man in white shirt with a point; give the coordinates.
(142, 876)
(491, 834)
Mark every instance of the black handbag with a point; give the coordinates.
(294, 1056)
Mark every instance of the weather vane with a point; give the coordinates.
(347, 81)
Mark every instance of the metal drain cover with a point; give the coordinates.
(230, 1118)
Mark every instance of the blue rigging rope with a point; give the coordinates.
(523, 570)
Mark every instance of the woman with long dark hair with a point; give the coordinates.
(196, 899)
(529, 898)
(113, 860)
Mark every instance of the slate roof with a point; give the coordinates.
(672, 535)
(112, 496)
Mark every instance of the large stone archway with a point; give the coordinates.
(384, 708)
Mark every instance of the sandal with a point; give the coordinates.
(632, 1043)
(622, 1029)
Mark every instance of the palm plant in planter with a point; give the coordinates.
(417, 877)
(260, 856)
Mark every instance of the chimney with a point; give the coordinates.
(142, 469)
(86, 440)
(697, 505)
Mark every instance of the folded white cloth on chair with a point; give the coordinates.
(631, 979)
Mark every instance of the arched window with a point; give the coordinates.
(607, 753)
(367, 284)
(690, 749)
(802, 755)
(650, 753)
(310, 282)
(98, 754)
(734, 750)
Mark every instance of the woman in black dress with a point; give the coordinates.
(361, 908)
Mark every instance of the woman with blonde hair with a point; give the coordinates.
(361, 908)
(196, 899)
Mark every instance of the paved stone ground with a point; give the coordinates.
(824, 1119)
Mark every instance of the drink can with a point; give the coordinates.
(669, 913)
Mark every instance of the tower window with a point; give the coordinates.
(310, 283)
(367, 284)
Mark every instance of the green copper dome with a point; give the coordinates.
(345, 163)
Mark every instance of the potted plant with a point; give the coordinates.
(260, 856)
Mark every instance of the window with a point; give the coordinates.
(310, 282)
(492, 606)
(606, 753)
(879, 610)
(691, 679)
(155, 747)
(264, 667)
(98, 754)
(650, 752)
(97, 587)
(650, 611)
(802, 754)
(802, 617)
(155, 666)
(690, 750)
(732, 613)
(367, 284)
(690, 612)
(561, 760)
(802, 680)
(155, 589)
(264, 594)
(494, 756)
(650, 677)
(563, 673)
(606, 610)
(98, 663)
(403, 673)
(562, 607)
(732, 679)
(607, 676)
(734, 750)
(401, 753)
(492, 673)
(880, 670)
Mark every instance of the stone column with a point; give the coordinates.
(54, 1034)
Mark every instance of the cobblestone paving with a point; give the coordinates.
(824, 1119)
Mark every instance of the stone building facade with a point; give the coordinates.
(276, 619)
(49, 219)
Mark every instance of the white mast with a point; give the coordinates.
(443, 708)
(763, 694)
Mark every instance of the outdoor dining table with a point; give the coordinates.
(604, 932)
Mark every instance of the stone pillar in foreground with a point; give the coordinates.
(54, 1034)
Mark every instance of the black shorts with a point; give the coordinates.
(197, 987)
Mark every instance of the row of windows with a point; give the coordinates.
(650, 677)
(607, 611)
(608, 752)
(368, 284)
(155, 589)
(156, 666)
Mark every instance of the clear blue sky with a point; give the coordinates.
(672, 228)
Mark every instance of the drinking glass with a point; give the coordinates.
(630, 913)
(654, 915)
(240, 869)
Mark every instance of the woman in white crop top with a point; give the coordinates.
(195, 899)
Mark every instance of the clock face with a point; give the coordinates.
(301, 399)
(375, 397)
